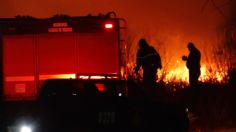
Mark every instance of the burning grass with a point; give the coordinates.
(213, 102)
(216, 60)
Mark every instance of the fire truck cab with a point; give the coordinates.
(62, 47)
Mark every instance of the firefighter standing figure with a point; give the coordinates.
(149, 60)
(193, 64)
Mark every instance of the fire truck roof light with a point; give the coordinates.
(108, 25)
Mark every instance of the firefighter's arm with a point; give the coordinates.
(159, 60)
(136, 69)
(160, 67)
(184, 58)
(138, 62)
(138, 65)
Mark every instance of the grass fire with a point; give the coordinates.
(212, 101)
(215, 60)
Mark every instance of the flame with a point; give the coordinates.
(213, 74)
(174, 75)
(181, 74)
(215, 59)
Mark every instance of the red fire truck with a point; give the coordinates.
(34, 50)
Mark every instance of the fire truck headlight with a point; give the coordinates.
(24, 125)
(25, 128)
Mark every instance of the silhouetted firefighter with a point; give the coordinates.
(193, 64)
(149, 60)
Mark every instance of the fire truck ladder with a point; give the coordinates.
(122, 44)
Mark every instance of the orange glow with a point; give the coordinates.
(83, 77)
(217, 75)
(57, 76)
(214, 66)
(19, 78)
(180, 74)
(91, 77)
(97, 77)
